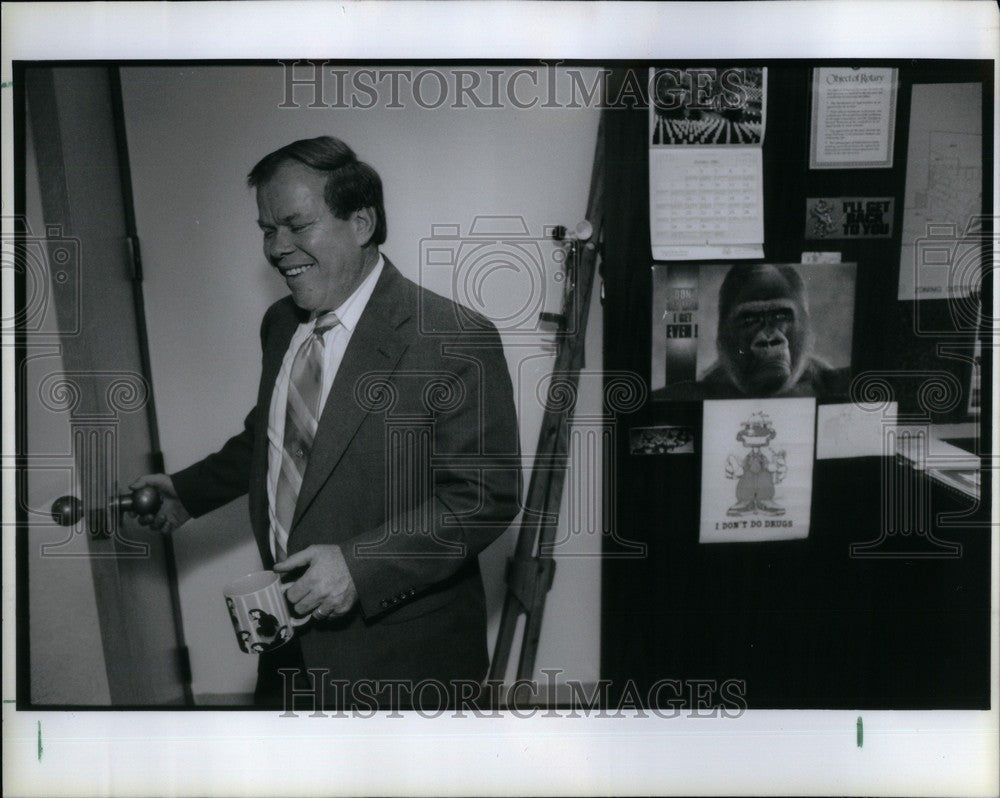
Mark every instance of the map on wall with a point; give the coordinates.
(942, 244)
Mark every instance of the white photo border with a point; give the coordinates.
(246, 753)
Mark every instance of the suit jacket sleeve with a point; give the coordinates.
(476, 491)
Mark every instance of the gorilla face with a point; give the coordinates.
(764, 343)
(764, 333)
(763, 330)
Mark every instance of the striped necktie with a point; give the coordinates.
(305, 386)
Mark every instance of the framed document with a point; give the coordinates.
(853, 118)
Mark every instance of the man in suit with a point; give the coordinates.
(382, 454)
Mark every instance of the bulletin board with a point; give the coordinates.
(829, 605)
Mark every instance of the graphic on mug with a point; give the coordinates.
(260, 612)
(283, 636)
(241, 634)
(267, 624)
(267, 627)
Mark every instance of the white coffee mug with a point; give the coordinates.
(259, 610)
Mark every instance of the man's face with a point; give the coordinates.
(320, 256)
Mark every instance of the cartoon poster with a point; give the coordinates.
(757, 463)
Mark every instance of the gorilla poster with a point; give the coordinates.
(724, 331)
(756, 481)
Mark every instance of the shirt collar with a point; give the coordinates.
(351, 309)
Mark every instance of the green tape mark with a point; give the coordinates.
(10, 700)
(40, 741)
(861, 733)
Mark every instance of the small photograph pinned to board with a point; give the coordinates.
(661, 440)
(725, 331)
(757, 466)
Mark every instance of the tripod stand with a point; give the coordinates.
(532, 568)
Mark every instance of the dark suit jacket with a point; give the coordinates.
(414, 470)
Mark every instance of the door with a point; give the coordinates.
(101, 593)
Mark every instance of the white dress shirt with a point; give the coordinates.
(335, 342)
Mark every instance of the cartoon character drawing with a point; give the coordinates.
(823, 224)
(267, 624)
(758, 471)
(268, 629)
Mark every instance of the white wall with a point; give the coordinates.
(193, 135)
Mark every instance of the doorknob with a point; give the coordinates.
(67, 510)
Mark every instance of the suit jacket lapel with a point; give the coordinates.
(376, 345)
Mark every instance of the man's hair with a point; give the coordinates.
(350, 184)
